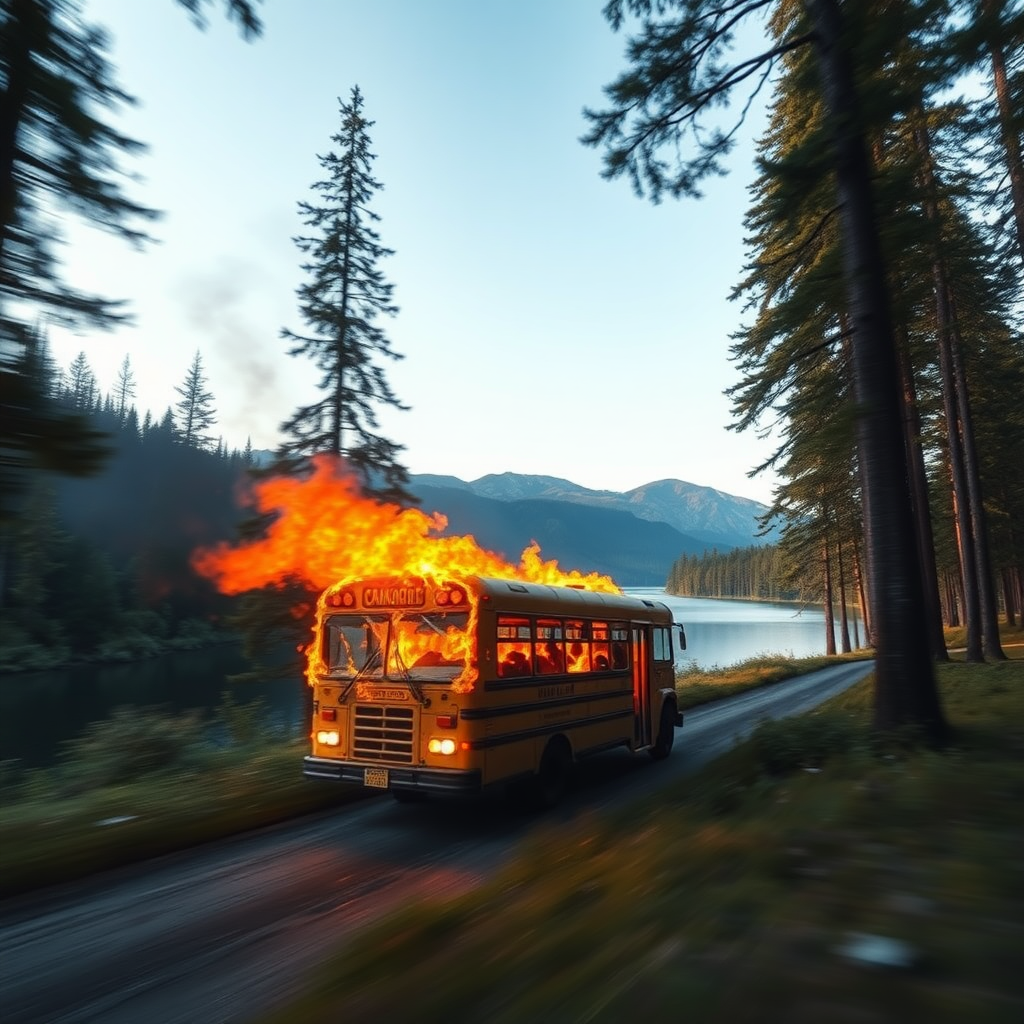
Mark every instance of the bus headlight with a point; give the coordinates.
(441, 746)
(328, 737)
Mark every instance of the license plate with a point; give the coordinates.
(377, 778)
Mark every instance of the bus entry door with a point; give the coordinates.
(641, 688)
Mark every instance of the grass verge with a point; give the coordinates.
(148, 783)
(704, 686)
(808, 875)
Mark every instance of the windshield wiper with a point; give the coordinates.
(407, 678)
(372, 662)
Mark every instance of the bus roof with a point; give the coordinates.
(509, 595)
(513, 594)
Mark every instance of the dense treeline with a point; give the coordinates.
(90, 497)
(882, 295)
(98, 567)
(755, 573)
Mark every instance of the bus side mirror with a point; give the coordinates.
(682, 637)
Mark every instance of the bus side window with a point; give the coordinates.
(599, 647)
(577, 646)
(620, 646)
(662, 644)
(549, 654)
(513, 649)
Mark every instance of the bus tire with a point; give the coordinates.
(553, 775)
(666, 732)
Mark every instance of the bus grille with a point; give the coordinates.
(384, 733)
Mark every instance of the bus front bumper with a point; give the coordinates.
(409, 779)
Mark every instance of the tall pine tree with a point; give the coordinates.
(59, 156)
(683, 69)
(345, 295)
(124, 389)
(195, 410)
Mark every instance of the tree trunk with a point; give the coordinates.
(830, 624)
(976, 502)
(972, 523)
(953, 592)
(950, 406)
(906, 693)
(844, 620)
(862, 597)
(919, 491)
(1008, 597)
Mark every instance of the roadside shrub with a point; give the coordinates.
(787, 745)
(20, 653)
(128, 647)
(192, 634)
(133, 742)
(145, 621)
(243, 724)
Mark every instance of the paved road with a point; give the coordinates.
(221, 933)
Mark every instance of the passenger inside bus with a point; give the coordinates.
(619, 656)
(550, 659)
(579, 658)
(515, 663)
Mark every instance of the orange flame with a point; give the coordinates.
(326, 532)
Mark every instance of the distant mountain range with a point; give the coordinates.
(632, 536)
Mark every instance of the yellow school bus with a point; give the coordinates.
(452, 686)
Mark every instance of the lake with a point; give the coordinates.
(721, 633)
(40, 710)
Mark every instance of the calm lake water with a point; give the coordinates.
(721, 633)
(39, 710)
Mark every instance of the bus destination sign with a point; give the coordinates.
(394, 597)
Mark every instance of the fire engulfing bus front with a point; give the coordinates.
(390, 664)
(451, 686)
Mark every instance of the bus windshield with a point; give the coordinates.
(418, 645)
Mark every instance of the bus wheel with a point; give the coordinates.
(553, 776)
(666, 732)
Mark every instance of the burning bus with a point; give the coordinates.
(439, 667)
(435, 685)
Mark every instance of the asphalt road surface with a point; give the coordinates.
(226, 931)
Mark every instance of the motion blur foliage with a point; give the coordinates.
(155, 502)
(136, 743)
(781, 747)
(99, 567)
(133, 742)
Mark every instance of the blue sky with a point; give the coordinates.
(552, 322)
